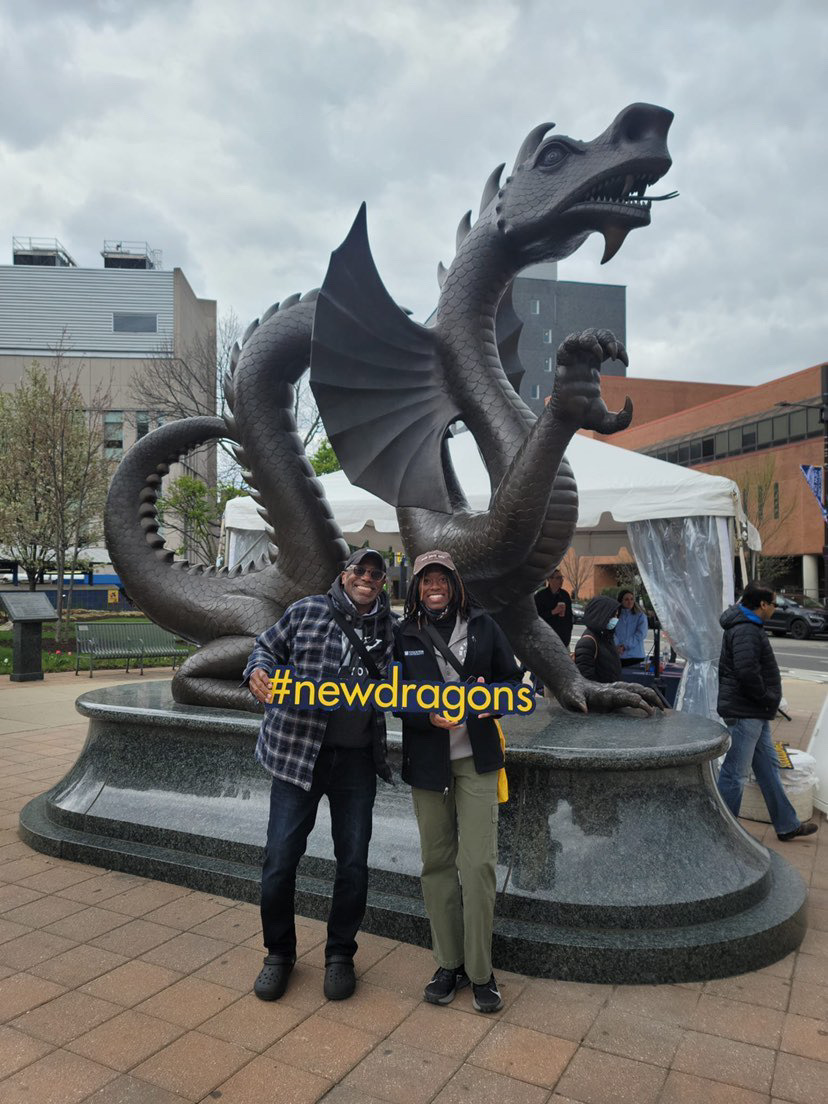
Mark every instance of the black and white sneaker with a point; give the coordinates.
(444, 984)
(486, 997)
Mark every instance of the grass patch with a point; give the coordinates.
(63, 658)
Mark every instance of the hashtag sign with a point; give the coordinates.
(280, 685)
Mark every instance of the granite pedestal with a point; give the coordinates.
(617, 860)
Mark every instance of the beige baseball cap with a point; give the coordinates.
(436, 559)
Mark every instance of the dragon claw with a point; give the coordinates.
(576, 398)
(609, 697)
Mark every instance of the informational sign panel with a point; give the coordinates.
(112, 596)
(28, 606)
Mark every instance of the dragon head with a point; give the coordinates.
(561, 189)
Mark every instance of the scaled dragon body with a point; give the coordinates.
(388, 390)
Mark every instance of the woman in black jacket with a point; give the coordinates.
(452, 768)
(596, 655)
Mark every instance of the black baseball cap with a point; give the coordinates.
(362, 554)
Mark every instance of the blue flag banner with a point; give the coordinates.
(813, 477)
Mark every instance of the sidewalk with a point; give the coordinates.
(120, 990)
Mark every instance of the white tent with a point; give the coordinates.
(615, 486)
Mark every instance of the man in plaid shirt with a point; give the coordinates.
(313, 752)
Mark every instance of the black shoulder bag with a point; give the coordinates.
(444, 650)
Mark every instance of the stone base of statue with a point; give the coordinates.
(617, 860)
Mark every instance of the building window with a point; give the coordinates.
(114, 434)
(780, 429)
(760, 503)
(547, 337)
(721, 444)
(708, 447)
(134, 322)
(764, 433)
(799, 424)
(142, 424)
(534, 306)
(814, 420)
(535, 391)
(749, 438)
(549, 364)
(776, 502)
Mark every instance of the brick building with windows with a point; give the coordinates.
(744, 434)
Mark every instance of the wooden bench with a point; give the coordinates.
(123, 640)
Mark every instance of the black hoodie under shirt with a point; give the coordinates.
(353, 728)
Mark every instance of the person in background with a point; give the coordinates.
(596, 656)
(631, 630)
(750, 690)
(554, 605)
(452, 768)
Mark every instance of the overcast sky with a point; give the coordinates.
(241, 137)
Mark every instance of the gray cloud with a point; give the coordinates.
(241, 140)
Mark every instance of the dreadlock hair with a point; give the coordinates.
(412, 610)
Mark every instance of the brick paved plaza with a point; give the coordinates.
(121, 990)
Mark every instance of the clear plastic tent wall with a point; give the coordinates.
(686, 566)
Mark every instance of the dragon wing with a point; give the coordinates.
(378, 382)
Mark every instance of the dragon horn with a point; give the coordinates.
(490, 188)
(530, 143)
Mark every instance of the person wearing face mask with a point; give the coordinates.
(452, 768)
(631, 630)
(346, 633)
(596, 655)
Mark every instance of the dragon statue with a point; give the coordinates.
(389, 390)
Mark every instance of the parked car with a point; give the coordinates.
(577, 613)
(799, 618)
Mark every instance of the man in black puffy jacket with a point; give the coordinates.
(750, 690)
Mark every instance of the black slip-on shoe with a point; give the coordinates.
(273, 977)
(486, 997)
(806, 829)
(340, 977)
(444, 984)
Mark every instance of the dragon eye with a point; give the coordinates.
(552, 156)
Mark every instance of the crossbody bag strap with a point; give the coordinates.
(355, 640)
(446, 652)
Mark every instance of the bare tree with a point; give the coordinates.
(764, 509)
(577, 571)
(306, 412)
(188, 383)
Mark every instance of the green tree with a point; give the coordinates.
(27, 510)
(55, 475)
(324, 460)
(192, 511)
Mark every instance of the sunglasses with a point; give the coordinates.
(373, 573)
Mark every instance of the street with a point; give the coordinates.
(791, 655)
(801, 655)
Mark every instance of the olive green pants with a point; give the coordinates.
(458, 835)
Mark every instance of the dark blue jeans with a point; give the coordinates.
(348, 778)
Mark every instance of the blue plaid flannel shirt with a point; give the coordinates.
(308, 640)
